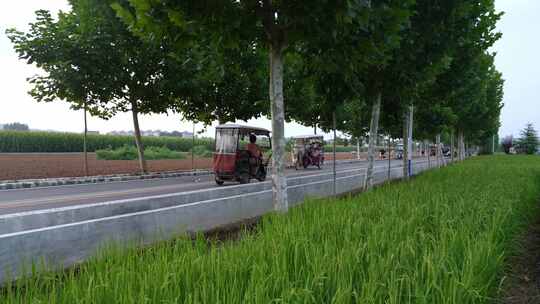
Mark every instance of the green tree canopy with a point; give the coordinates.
(528, 141)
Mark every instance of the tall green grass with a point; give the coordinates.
(26, 142)
(441, 238)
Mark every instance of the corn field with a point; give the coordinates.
(32, 142)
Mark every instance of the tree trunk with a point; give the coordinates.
(452, 146)
(193, 148)
(358, 148)
(373, 131)
(389, 159)
(410, 139)
(334, 150)
(279, 182)
(407, 142)
(461, 146)
(315, 129)
(85, 148)
(138, 140)
(438, 151)
(405, 153)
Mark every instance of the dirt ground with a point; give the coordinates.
(47, 165)
(522, 278)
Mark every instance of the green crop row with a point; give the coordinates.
(130, 153)
(329, 148)
(27, 142)
(441, 238)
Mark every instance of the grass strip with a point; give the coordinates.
(444, 237)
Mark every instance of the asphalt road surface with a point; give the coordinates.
(19, 200)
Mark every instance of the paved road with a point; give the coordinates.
(18, 200)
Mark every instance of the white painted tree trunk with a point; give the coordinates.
(410, 138)
(373, 131)
(405, 155)
(461, 146)
(428, 152)
(85, 139)
(358, 148)
(334, 152)
(138, 139)
(438, 151)
(389, 150)
(279, 182)
(452, 146)
(408, 141)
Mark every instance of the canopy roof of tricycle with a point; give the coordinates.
(244, 129)
(320, 137)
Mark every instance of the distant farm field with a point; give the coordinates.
(31, 142)
(46, 165)
(443, 237)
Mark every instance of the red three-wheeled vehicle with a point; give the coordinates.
(239, 153)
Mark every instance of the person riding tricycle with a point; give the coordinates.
(308, 151)
(239, 153)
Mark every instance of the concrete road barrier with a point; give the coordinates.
(64, 236)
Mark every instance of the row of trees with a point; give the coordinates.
(363, 67)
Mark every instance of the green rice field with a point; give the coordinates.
(443, 237)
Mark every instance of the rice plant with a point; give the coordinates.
(441, 238)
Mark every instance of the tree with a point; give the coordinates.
(343, 68)
(16, 126)
(228, 84)
(69, 59)
(528, 142)
(274, 27)
(464, 83)
(393, 19)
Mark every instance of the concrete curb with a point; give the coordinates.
(49, 182)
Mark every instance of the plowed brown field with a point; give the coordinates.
(47, 165)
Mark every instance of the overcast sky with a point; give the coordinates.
(517, 59)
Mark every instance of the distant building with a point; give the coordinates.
(121, 133)
(186, 134)
(151, 133)
(93, 132)
(154, 133)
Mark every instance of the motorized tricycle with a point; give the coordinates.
(308, 150)
(239, 154)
